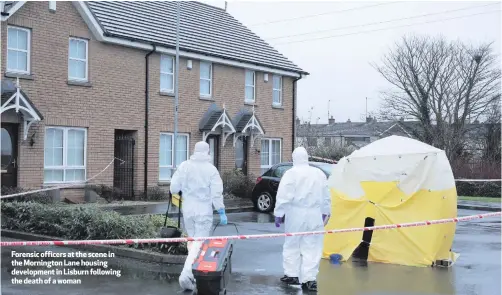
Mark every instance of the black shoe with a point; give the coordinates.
(290, 280)
(310, 286)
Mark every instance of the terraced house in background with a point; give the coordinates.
(84, 82)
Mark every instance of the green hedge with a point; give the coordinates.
(81, 223)
(111, 194)
(40, 197)
(479, 189)
(238, 184)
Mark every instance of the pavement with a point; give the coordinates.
(257, 266)
(236, 205)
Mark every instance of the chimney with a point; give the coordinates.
(225, 5)
(297, 121)
(331, 121)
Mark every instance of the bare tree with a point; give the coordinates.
(443, 85)
(492, 135)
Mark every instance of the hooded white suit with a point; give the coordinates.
(202, 188)
(302, 198)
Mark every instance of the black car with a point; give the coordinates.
(266, 186)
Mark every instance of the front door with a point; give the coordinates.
(213, 141)
(9, 154)
(241, 155)
(123, 172)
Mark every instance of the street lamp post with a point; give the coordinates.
(176, 83)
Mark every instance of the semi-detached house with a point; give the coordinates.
(84, 82)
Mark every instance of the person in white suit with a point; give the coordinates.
(303, 204)
(202, 189)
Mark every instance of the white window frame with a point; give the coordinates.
(78, 79)
(277, 90)
(163, 57)
(28, 51)
(249, 85)
(65, 167)
(268, 166)
(205, 79)
(187, 135)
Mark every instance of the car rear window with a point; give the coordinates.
(279, 171)
(268, 172)
(327, 168)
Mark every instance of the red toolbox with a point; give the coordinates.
(213, 266)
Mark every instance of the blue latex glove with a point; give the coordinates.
(278, 221)
(223, 217)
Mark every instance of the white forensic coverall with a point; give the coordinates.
(202, 188)
(302, 198)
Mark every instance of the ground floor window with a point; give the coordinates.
(166, 155)
(270, 153)
(65, 154)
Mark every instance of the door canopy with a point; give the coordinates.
(13, 98)
(216, 121)
(247, 124)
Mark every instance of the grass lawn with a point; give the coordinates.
(480, 199)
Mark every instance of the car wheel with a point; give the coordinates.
(264, 202)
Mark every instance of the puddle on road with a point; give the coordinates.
(357, 278)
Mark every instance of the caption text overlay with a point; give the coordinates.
(55, 268)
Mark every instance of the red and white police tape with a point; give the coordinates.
(62, 186)
(247, 237)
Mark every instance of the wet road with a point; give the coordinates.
(257, 266)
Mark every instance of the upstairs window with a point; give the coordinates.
(78, 60)
(250, 86)
(206, 77)
(167, 74)
(18, 50)
(277, 90)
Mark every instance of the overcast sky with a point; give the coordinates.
(340, 67)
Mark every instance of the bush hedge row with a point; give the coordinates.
(81, 223)
(40, 197)
(238, 184)
(479, 189)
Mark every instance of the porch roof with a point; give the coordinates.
(248, 121)
(215, 117)
(216, 120)
(13, 98)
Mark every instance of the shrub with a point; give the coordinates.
(332, 152)
(80, 223)
(481, 189)
(40, 197)
(238, 184)
(155, 194)
(108, 193)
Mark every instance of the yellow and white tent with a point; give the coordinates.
(394, 180)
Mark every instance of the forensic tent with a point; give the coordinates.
(393, 180)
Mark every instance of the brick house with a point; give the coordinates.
(84, 82)
(348, 134)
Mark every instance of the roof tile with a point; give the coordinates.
(204, 29)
